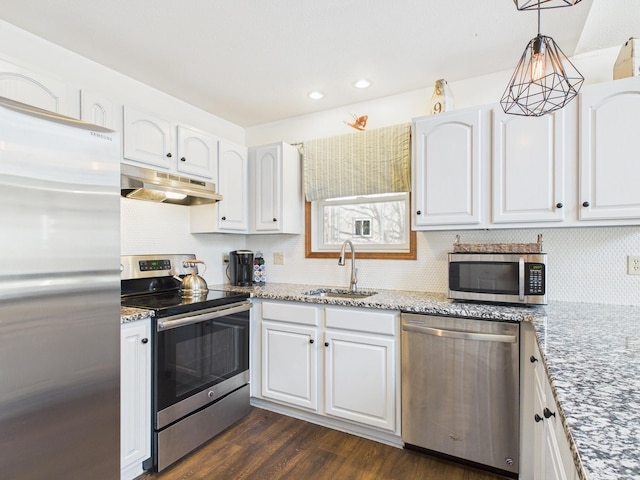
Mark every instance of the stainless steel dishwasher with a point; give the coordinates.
(460, 389)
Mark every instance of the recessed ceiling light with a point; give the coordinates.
(362, 83)
(316, 95)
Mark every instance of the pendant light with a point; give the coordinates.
(535, 4)
(544, 80)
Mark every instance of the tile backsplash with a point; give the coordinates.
(584, 264)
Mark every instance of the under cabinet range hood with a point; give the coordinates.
(151, 185)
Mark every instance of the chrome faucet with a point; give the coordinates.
(353, 284)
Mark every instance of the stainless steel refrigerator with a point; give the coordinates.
(59, 297)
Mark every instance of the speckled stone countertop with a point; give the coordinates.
(130, 314)
(591, 354)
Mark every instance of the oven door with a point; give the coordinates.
(199, 358)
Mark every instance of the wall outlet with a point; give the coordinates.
(633, 265)
(278, 258)
(225, 258)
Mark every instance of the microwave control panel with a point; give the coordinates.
(534, 278)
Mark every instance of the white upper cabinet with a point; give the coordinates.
(98, 110)
(148, 139)
(575, 167)
(447, 159)
(233, 176)
(528, 168)
(609, 146)
(152, 141)
(197, 153)
(276, 189)
(39, 90)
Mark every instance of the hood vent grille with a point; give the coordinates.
(145, 184)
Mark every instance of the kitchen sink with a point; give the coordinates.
(339, 293)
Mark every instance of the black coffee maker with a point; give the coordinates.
(241, 268)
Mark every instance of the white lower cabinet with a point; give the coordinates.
(135, 397)
(545, 452)
(290, 364)
(337, 362)
(359, 378)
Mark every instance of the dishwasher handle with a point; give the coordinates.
(461, 335)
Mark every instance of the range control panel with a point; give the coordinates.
(151, 265)
(534, 279)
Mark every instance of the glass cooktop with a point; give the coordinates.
(170, 303)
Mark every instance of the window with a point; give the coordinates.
(378, 226)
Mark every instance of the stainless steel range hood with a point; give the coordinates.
(145, 184)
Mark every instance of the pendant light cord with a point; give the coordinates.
(538, 18)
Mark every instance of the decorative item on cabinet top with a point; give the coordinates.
(497, 247)
(359, 123)
(442, 98)
(628, 61)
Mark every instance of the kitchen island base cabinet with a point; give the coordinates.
(336, 366)
(135, 397)
(546, 453)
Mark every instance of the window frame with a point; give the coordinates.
(368, 254)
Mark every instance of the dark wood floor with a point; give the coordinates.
(266, 445)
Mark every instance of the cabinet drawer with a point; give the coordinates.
(289, 312)
(383, 322)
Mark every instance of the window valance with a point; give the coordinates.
(362, 163)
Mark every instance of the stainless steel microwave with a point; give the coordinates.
(519, 278)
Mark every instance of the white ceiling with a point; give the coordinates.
(253, 62)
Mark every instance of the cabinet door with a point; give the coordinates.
(197, 153)
(290, 364)
(609, 146)
(446, 165)
(97, 110)
(39, 90)
(147, 139)
(268, 187)
(360, 378)
(528, 168)
(232, 184)
(135, 395)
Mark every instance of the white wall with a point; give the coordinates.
(585, 264)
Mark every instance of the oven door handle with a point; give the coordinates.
(203, 317)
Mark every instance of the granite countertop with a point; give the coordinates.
(591, 354)
(130, 314)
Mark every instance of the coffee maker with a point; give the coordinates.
(241, 268)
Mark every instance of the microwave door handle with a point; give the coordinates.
(521, 278)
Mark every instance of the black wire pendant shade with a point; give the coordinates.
(535, 4)
(544, 80)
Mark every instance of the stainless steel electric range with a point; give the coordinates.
(200, 359)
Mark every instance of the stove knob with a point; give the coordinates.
(210, 394)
